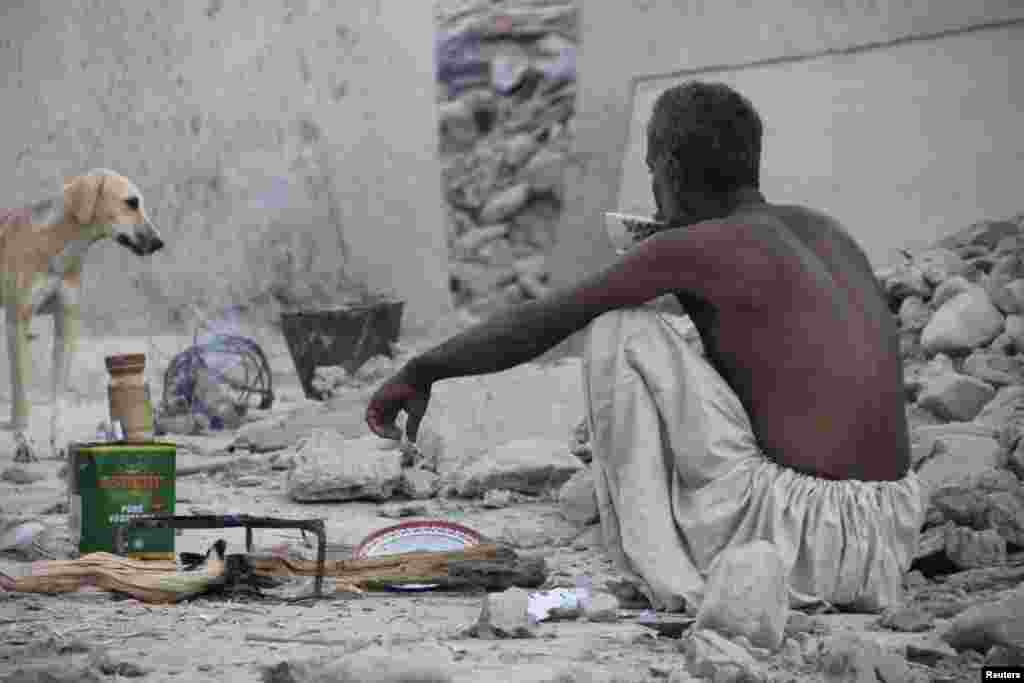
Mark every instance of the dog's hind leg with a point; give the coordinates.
(19, 317)
(66, 318)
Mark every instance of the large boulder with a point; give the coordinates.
(963, 323)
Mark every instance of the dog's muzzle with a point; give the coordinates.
(141, 242)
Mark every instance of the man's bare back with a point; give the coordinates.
(817, 364)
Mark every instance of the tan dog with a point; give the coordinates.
(41, 253)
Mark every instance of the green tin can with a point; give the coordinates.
(109, 483)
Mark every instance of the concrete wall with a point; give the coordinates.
(902, 140)
(256, 129)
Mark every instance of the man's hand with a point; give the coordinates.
(397, 394)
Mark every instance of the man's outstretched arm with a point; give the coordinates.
(723, 264)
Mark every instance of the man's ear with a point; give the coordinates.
(81, 195)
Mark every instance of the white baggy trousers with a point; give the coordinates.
(680, 478)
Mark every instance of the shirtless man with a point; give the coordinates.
(791, 428)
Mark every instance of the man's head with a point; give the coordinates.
(112, 205)
(703, 147)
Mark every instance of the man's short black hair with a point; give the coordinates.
(709, 135)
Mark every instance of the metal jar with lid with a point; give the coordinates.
(128, 393)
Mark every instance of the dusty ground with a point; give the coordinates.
(219, 640)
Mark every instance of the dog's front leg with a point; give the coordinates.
(66, 323)
(19, 317)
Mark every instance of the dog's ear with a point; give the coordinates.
(81, 195)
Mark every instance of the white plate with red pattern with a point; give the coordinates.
(419, 536)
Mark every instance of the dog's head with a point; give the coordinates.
(111, 203)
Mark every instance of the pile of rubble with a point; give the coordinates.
(507, 87)
(960, 305)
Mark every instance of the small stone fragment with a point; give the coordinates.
(16, 474)
(505, 615)
(602, 607)
(907, 619)
(715, 658)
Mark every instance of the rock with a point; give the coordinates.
(420, 484)
(545, 171)
(949, 289)
(508, 72)
(852, 659)
(955, 397)
(910, 345)
(1005, 656)
(969, 549)
(966, 321)
(962, 504)
(473, 239)
(505, 204)
(553, 44)
(971, 251)
(984, 626)
(497, 499)
(601, 607)
(995, 368)
(747, 595)
(529, 466)
(1009, 298)
(907, 619)
(57, 670)
(402, 510)
(577, 499)
(1009, 245)
(519, 148)
(715, 658)
(908, 281)
(1015, 330)
(1006, 514)
(331, 468)
(798, 622)
(939, 264)
(957, 454)
(378, 664)
(1015, 461)
(505, 615)
(1006, 269)
(1004, 412)
(16, 474)
(914, 313)
(985, 234)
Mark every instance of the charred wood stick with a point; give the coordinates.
(385, 568)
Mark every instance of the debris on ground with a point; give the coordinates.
(504, 615)
(530, 466)
(17, 474)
